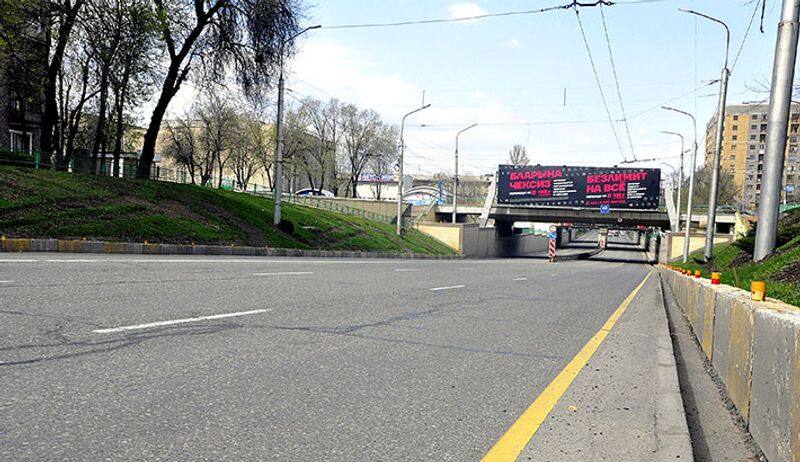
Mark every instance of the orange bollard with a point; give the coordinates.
(697, 274)
(715, 278)
(758, 291)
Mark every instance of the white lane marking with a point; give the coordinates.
(521, 279)
(465, 269)
(406, 270)
(18, 260)
(285, 273)
(6, 281)
(177, 321)
(220, 261)
(448, 288)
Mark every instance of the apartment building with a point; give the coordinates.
(743, 148)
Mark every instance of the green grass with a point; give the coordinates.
(781, 271)
(46, 204)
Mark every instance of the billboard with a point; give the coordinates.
(584, 187)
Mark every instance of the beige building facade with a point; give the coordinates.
(744, 146)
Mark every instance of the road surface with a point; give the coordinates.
(222, 358)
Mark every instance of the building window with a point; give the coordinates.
(754, 127)
(752, 147)
(734, 137)
(733, 146)
(752, 137)
(735, 127)
(754, 116)
(21, 141)
(735, 117)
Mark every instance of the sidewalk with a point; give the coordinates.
(626, 403)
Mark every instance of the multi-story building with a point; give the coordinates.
(743, 148)
(21, 98)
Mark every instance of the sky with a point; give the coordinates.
(527, 79)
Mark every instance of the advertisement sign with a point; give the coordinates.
(582, 187)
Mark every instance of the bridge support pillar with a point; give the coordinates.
(504, 228)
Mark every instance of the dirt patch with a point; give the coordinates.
(790, 273)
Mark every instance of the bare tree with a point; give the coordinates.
(243, 37)
(518, 155)
(218, 121)
(360, 130)
(184, 146)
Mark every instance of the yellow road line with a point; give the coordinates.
(511, 444)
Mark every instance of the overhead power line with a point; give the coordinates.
(616, 81)
(574, 4)
(746, 33)
(599, 85)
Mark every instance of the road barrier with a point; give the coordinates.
(102, 247)
(754, 348)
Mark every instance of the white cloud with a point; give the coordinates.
(513, 43)
(465, 10)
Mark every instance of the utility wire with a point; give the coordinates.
(467, 18)
(599, 85)
(658, 106)
(746, 32)
(616, 80)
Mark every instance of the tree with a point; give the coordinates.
(518, 155)
(220, 37)
(260, 140)
(360, 132)
(727, 191)
(218, 122)
(185, 147)
(33, 28)
(245, 144)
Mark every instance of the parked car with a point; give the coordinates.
(314, 192)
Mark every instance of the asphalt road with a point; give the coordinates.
(330, 360)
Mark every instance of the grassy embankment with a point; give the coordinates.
(781, 271)
(45, 204)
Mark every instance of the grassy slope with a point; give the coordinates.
(60, 205)
(781, 271)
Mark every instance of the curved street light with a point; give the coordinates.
(400, 170)
(278, 189)
(691, 182)
(455, 179)
(680, 182)
(723, 94)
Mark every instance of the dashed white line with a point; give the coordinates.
(285, 273)
(465, 269)
(435, 289)
(406, 270)
(7, 281)
(177, 321)
(520, 279)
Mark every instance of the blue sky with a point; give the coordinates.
(513, 70)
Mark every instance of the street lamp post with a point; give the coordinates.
(680, 182)
(400, 171)
(691, 183)
(276, 215)
(779, 108)
(723, 94)
(455, 179)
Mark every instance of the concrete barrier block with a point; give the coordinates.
(134, 248)
(706, 301)
(183, 249)
(723, 311)
(94, 246)
(167, 249)
(68, 246)
(773, 389)
(150, 249)
(16, 245)
(114, 247)
(44, 245)
(738, 376)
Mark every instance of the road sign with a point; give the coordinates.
(605, 209)
(551, 235)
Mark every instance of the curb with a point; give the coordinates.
(754, 348)
(145, 248)
(672, 430)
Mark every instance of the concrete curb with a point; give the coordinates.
(672, 430)
(104, 247)
(754, 348)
